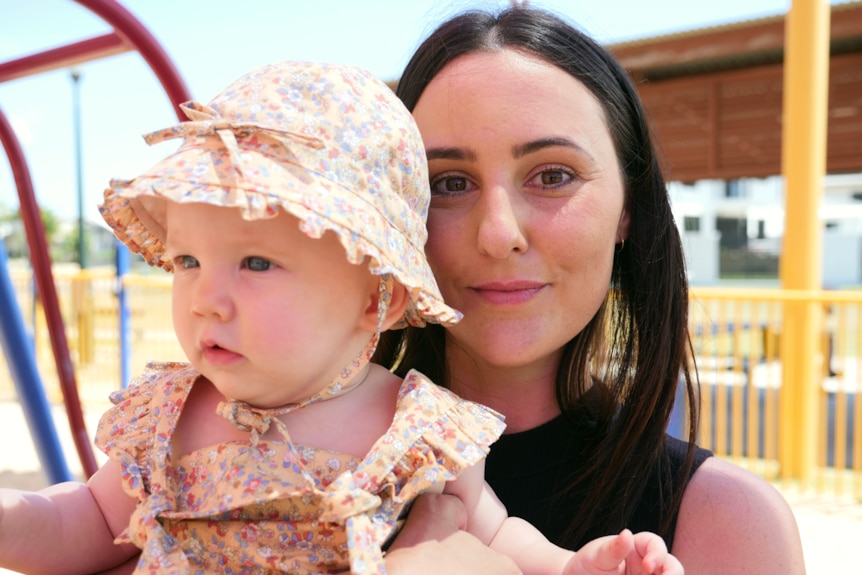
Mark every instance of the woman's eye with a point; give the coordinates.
(450, 185)
(186, 262)
(552, 177)
(257, 264)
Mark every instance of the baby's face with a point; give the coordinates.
(266, 313)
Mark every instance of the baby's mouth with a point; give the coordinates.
(218, 355)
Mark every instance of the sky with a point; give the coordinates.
(212, 43)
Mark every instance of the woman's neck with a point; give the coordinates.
(524, 394)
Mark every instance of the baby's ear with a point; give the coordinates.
(397, 305)
(398, 299)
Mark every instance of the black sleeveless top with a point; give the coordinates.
(528, 471)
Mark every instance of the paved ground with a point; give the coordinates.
(831, 527)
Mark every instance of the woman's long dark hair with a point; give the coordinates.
(636, 349)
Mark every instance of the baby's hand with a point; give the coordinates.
(625, 554)
(650, 556)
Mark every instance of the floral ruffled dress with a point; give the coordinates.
(261, 506)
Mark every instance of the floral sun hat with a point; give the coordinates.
(330, 144)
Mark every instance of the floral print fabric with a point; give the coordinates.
(329, 144)
(264, 506)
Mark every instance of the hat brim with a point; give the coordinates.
(320, 204)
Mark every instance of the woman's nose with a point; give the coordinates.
(211, 295)
(501, 223)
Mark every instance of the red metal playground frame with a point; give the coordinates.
(129, 34)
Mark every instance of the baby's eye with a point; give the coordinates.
(450, 185)
(185, 262)
(258, 264)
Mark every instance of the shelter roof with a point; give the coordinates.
(744, 44)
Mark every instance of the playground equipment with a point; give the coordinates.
(129, 34)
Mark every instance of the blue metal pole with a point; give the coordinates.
(676, 426)
(22, 364)
(123, 263)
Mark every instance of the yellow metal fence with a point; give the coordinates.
(736, 333)
(738, 345)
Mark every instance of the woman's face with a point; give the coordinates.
(527, 205)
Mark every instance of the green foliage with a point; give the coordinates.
(15, 238)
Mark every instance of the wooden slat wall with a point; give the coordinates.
(845, 114)
(715, 95)
(727, 125)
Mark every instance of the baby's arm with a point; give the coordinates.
(66, 528)
(487, 519)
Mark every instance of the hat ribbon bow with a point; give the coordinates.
(206, 121)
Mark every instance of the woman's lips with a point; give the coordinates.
(508, 293)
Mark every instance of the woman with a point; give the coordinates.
(551, 229)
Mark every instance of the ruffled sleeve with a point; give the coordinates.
(128, 431)
(437, 435)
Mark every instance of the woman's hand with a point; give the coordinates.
(433, 541)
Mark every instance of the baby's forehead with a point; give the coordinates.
(174, 218)
(232, 223)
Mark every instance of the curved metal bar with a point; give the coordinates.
(63, 57)
(128, 32)
(127, 26)
(41, 262)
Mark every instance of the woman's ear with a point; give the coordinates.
(398, 299)
(623, 227)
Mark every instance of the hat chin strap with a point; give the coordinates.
(352, 376)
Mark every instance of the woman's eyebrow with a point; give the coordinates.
(450, 154)
(518, 150)
(521, 150)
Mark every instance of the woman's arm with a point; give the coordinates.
(733, 521)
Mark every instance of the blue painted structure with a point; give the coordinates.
(18, 349)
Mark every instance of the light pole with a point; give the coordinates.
(76, 119)
(81, 295)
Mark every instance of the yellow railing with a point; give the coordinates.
(737, 337)
(89, 304)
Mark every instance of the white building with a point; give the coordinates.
(747, 217)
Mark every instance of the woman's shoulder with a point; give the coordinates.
(677, 451)
(734, 521)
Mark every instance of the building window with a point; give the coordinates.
(691, 223)
(732, 189)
